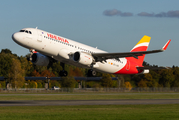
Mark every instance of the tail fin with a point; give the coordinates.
(142, 45)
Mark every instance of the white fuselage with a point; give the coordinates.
(62, 49)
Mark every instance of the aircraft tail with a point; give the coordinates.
(142, 45)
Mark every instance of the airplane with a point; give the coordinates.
(51, 46)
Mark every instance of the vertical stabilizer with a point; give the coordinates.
(142, 45)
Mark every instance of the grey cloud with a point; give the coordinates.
(111, 12)
(162, 14)
(173, 13)
(146, 14)
(125, 14)
(115, 12)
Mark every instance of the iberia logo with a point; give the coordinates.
(57, 38)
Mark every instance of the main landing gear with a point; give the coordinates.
(91, 73)
(63, 73)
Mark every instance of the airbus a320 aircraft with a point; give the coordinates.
(51, 46)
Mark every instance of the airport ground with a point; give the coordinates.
(91, 112)
(90, 106)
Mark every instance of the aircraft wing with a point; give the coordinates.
(104, 56)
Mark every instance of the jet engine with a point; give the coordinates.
(83, 58)
(39, 59)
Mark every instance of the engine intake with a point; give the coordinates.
(82, 58)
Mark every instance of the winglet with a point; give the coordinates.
(166, 45)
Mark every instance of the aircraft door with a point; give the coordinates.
(39, 36)
(128, 65)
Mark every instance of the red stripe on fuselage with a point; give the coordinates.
(132, 63)
(129, 68)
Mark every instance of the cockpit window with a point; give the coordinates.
(26, 31)
(21, 30)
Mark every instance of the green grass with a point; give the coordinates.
(92, 112)
(94, 96)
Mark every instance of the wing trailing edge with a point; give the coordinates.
(151, 68)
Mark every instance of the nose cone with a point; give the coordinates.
(16, 37)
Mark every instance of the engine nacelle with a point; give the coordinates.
(39, 59)
(82, 58)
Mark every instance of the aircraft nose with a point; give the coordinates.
(16, 37)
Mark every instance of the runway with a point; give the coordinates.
(89, 102)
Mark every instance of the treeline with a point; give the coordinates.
(15, 68)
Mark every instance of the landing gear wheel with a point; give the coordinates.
(63, 73)
(91, 73)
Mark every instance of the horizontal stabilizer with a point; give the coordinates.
(151, 68)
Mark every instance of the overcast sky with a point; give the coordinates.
(110, 25)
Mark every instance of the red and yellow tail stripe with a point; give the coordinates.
(142, 45)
